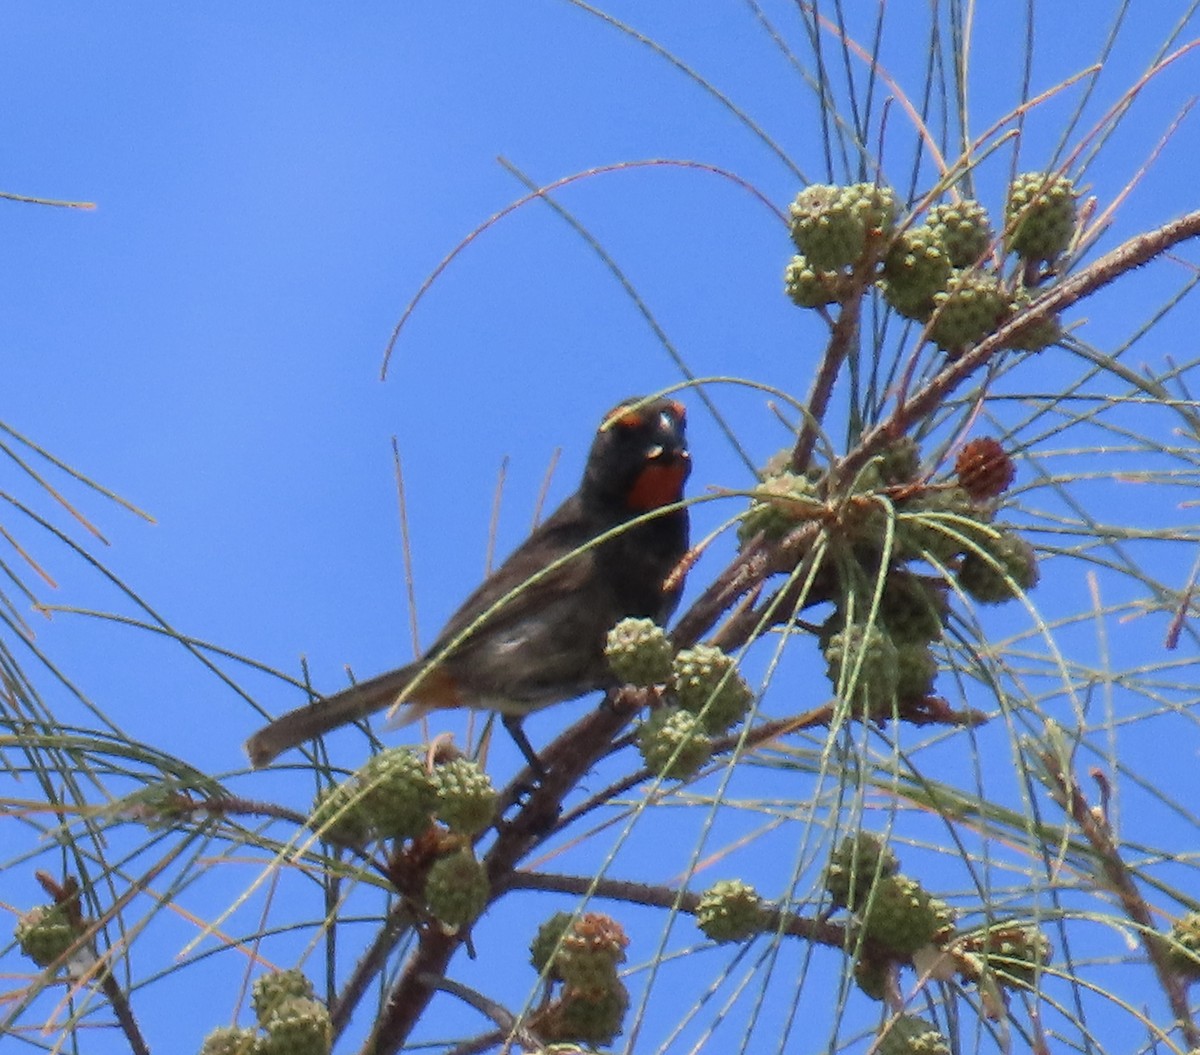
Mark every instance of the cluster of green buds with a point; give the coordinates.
(704, 695)
(912, 1035)
(578, 956)
(291, 1021)
(457, 888)
(936, 272)
(443, 802)
(879, 649)
(730, 911)
(895, 912)
(397, 795)
(46, 932)
(1184, 949)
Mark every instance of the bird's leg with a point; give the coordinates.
(512, 722)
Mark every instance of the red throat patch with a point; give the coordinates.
(657, 485)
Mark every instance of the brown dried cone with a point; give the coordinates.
(1014, 951)
(590, 950)
(984, 468)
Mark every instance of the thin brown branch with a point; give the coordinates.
(1136, 252)
(776, 921)
(932, 710)
(124, 1014)
(412, 991)
(1118, 879)
(841, 343)
(397, 924)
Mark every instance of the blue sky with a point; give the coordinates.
(274, 181)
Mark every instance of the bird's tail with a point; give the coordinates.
(424, 690)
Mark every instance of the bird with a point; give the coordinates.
(533, 633)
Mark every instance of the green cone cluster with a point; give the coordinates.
(970, 306)
(831, 224)
(903, 917)
(705, 696)
(1040, 215)
(466, 799)
(299, 1027)
(900, 461)
(673, 743)
(1003, 567)
(781, 500)
(942, 271)
(292, 1021)
(579, 956)
(393, 796)
(916, 269)
(938, 524)
(232, 1040)
(271, 991)
(1037, 333)
(854, 867)
(457, 888)
(730, 910)
(639, 652)
(879, 650)
(871, 977)
(337, 811)
(894, 910)
(963, 229)
(45, 933)
(396, 796)
(862, 663)
(809, 288)
(546, 943)
(705, 681)
(910, 1035)
(1184, 952)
